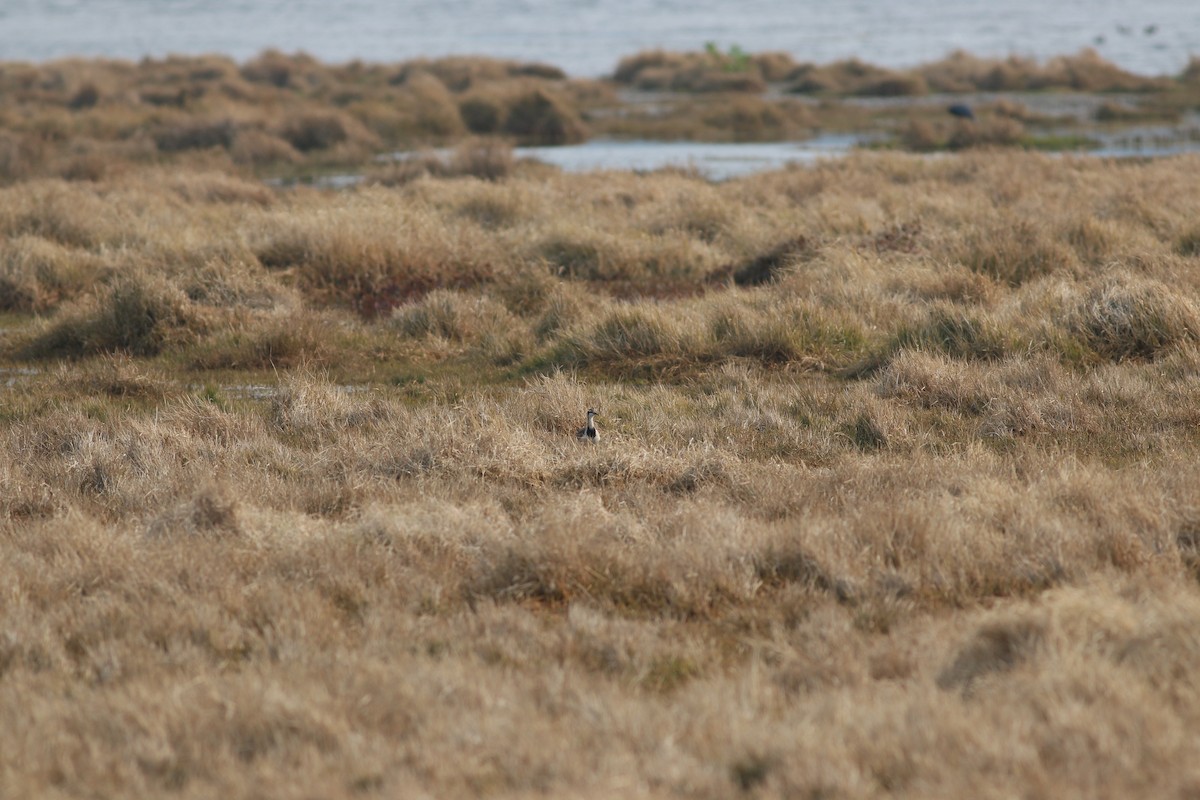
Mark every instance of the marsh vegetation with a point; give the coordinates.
(897, 491)
(291, 115)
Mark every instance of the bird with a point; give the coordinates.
(961, 110)
(588, 432)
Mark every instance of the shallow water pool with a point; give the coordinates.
(715, 160)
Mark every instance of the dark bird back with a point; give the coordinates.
(961, 110)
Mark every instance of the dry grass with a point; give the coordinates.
(487, 158)
(895, 496)
(958, 72)
(696, 72)
(292, 115)
(854, 77)
(277, 112)
(1085, 71)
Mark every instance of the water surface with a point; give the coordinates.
(715, 160)
(587, 37)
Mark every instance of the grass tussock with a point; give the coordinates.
(922, 135)
(711, 71)
(139, 315)
(854, 77)
(485, 158)
(1129, 318)
(324, 130)
(957, 333)
(1086, 71)
(1016, 250)
(37, 273)
(523, 112)
(276, 341)
(481, 323)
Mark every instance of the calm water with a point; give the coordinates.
(718, 161)
(587, 37)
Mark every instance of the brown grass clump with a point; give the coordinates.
(750, 119)
(119, 375)
(854, 77)
(711, 71)
(923, 135)
(388, 252)
(460, 73)
(1085, 71)
(485, 158)
(53, 211)
(37, 274)
(998, 131)
(277, 341)
(262, 149)
(481, 322)
(774, 66)
(539, 117)
(322, 131)
(428, 111)
(137, 315)
(1129, 318)
(1015, 251)
(196, 136)
(488, 159)
(957, 333)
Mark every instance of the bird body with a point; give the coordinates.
(961, 110)
(588, 432)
